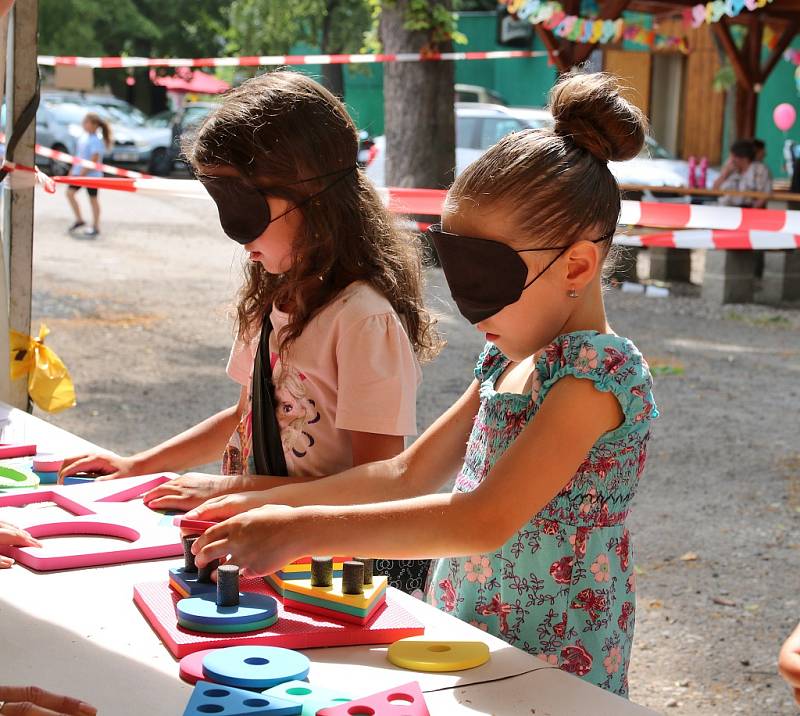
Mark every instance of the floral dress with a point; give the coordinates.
(563, 586)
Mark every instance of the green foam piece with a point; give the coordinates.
(312, 698)
(228, 628)
(17, 478)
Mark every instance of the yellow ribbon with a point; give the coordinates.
(49, 384)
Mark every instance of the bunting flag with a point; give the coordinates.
(551, 16)
(709, 12)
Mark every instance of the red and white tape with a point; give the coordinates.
(75, 161)
(725, 227)
(256, 60)
(711, 239)
(707, 216)
(30, 177)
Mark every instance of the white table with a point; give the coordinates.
(78, 632)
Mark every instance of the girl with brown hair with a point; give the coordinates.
(532, 543)
(330, 319)
(90, 147)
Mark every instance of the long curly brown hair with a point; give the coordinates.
(283, 128)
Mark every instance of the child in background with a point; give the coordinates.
(532, 541)
(340, 283)
(90, 147)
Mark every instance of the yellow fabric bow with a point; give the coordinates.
(49, 384)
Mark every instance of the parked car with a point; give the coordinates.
(187, 117)
(135, 143)
(476, 93)
(479, 126)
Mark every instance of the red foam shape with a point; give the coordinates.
(292, 630)
(192, 525)
(409, 701)
(191, 666)
(9, 450)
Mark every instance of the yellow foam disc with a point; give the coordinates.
(420, 654)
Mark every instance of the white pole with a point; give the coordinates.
(5, 378)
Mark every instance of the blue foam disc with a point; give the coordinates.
(47, 478)
(78, 480)
(203, 609)
(255, 667)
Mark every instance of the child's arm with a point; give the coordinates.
(202, 443)
(422, 468)
(789, 662)
(540, 462)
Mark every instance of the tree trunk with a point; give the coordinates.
(332, 75)
(419, 116)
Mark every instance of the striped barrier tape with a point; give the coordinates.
(33, 177)
(257, 60)
(75, 161)
(724, 227)
(711, 239)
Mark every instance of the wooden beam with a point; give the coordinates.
(549, 41)
(20, 88)
(723, 33)
(784, 40)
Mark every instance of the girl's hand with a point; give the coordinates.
(33, 701)
(225, 506)
(187, 491)
(789, 662)
(14, 537)
(259, 541)
(109, 466)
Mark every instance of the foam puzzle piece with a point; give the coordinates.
(105, 509)
(405, 700)
(330, 601)
(210, 698)
(301, 568)
(255, 667)
(294, 630)
(46, 478)
(311, 697)
(45, 462)
(17, 478)
(428, 655)
(187, 584)
(228, 628)
(252, 607)
(188, 525)
(190, 668)
(9, 450)
(79, 480)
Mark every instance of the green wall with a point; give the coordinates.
(780, 87)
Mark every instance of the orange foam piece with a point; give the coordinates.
(157, 601)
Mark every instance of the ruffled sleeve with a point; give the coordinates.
(378, 377)
(613, 363)
(488, 363)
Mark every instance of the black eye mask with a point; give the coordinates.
(485, 276)
(243, 209)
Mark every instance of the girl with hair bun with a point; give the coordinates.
(532, 542)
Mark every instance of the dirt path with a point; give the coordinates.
(139, 316)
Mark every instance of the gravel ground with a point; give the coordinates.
(140, 316)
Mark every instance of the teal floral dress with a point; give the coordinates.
(563, 586)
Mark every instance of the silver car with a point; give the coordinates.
(479, 126)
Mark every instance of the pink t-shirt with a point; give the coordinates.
(352, 369)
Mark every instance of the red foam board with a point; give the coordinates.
(293, 630)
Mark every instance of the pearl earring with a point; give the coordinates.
(572, 293)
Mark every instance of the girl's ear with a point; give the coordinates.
(584, 262)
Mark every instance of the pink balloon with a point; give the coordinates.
(784, 116)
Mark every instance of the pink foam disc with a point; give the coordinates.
(191, 666)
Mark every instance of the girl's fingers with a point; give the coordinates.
(220, 510)
(47, 702)
(212, 551)
(110, 476)
(6, 562)
(169, 502)
(86, 464)
(14, 536)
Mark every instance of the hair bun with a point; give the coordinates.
(589, 110)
